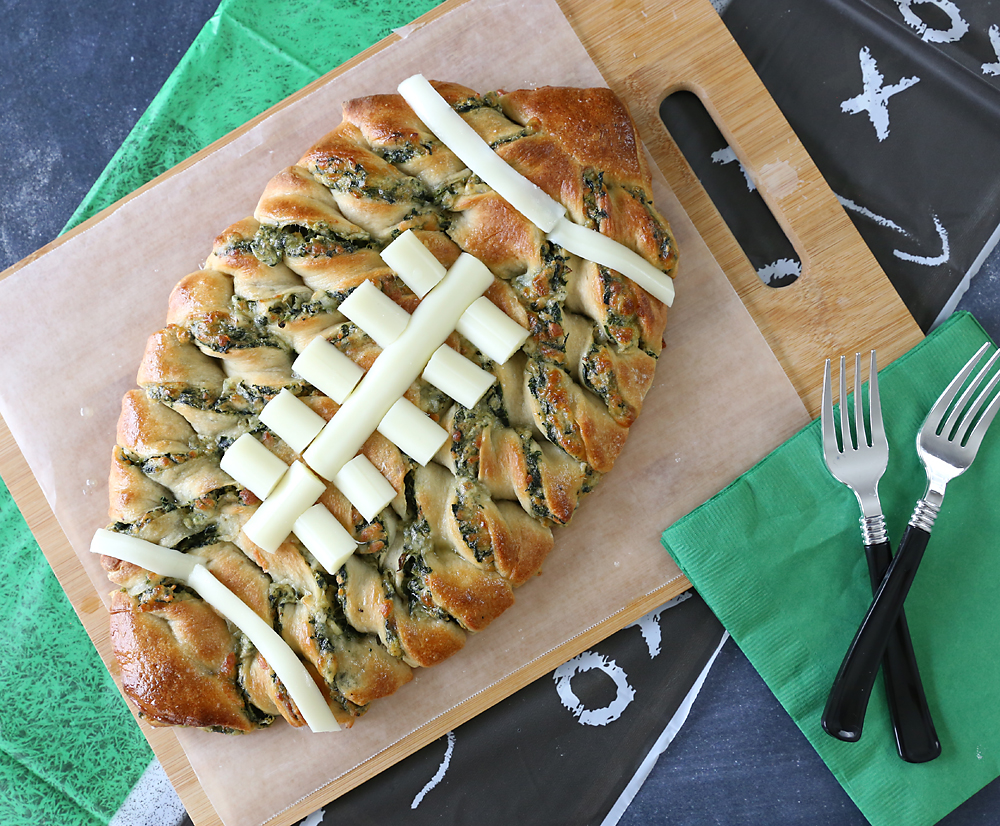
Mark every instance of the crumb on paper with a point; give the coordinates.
(405, 31)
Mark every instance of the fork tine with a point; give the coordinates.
(830, 447)
(875, 404)
(936, 414)
(845, 426)
(963, 401)
(860, 429)
(976, 437)
(969, 418)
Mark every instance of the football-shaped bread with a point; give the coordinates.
(465, 528)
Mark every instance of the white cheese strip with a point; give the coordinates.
(398, 366)
(544, 212)
(414, 263)
(292, 419)
(412, 431)
(190, 569)
(475, 153)
(492, 330)
(327, 369)
(321, 532)
(375, 313)
(163, 561)
(272, 521)
(452, 373)
(366, 488)
(253, 466)
(290, 670)
(590, 244)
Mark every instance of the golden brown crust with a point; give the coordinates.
(489, 228)
(172, 359)
(592, 126)
(295, 197)
(178, 663)
(493, 535)
(131, 493)
(391, 128)
(148, 428)
(445, 557)
(472, 596)
(426, 639)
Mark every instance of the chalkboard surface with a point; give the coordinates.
(898, 103)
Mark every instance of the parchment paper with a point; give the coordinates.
(85, 309)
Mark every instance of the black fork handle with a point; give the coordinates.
(916, 737)
(844, 714)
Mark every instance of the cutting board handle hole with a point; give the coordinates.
(731, 189)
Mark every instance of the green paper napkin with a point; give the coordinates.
(778, 557)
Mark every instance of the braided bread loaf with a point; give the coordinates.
(463, 530)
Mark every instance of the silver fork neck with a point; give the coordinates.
(873, 529)
(927, 509)
(869, 502)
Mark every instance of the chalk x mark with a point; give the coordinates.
(874, 99)
(956, 30)
(847, 203)
(727, 155)
(649, 625)
(928, 261)
(784, 270)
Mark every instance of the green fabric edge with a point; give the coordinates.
(92, 752)
(204, 98)
(24, 802)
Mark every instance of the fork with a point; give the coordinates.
(946, 448)
(860, 465)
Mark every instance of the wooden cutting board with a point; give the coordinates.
(841, 303)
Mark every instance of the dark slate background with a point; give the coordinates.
(75, 77)
(933, 176)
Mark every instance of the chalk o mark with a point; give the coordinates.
(994, 68)
(590, 661)
(956, 30)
